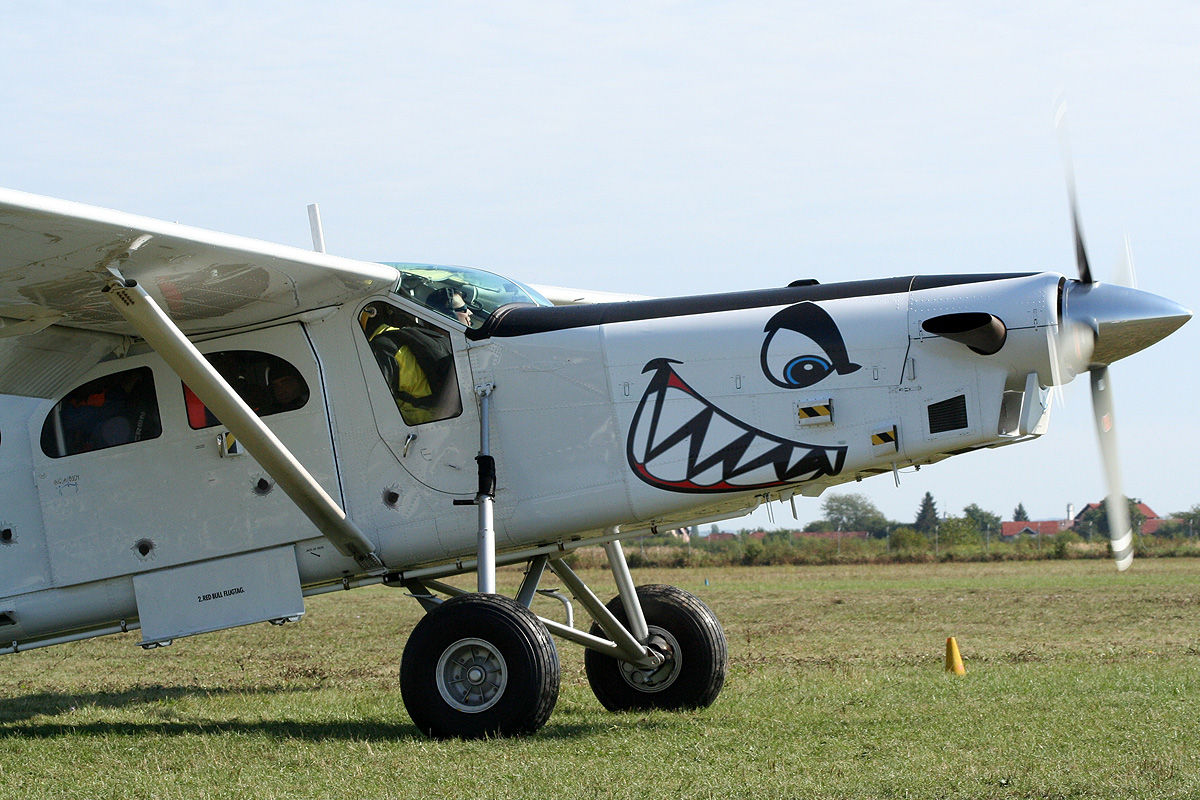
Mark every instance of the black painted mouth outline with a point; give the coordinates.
(791, 461)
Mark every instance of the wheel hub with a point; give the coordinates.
(655, 679)
(471, 675)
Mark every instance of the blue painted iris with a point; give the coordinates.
(806, 370)
(794, 338)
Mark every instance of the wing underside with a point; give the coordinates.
(57, 256)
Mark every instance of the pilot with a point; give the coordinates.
(450, 302)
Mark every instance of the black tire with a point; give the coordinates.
(684, 628)
(479, 665)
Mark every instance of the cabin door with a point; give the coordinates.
(421, 394)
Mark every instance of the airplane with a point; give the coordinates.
(202, 430)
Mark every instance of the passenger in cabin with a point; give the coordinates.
(117, 409)
(416, 362)
(287, 389)
(267, 383)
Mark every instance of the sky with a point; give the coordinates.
(665, 148)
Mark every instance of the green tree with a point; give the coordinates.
(958, 531)
(853, 512)
(984, 520)
(927, 517)
(1019, 513)
(1063, 541)
(1172, 529)
(905, 539)
(1189, 521)
(1094, 521)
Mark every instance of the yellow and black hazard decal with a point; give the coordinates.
(814, 412)
(886, 439)
(228, 445)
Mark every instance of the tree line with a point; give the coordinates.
(972, 535)
(854, 512)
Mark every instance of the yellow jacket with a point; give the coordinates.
(411, 382)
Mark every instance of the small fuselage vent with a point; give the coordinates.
(948, 415)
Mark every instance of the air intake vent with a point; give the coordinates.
(948, 415)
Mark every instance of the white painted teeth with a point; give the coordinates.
(720, 434)
(682, 442)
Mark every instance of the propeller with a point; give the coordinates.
(1119, 529)
(1124, 273)
(1120, 320)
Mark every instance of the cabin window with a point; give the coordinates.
(417, 363)
(268, 384)
(116, 409)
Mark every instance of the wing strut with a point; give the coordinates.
(161, 333)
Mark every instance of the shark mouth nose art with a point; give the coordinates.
(680, 442)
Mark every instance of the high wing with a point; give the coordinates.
(56, 256)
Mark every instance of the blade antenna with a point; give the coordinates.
(314, 224)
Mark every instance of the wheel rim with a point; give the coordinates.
(655, 679)
(471, 675)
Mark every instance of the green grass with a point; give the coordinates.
(1080, 683)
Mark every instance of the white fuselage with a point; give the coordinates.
(646, 421)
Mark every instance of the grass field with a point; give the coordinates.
(1080, 683)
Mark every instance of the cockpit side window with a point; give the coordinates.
(268, 384)
(417, 363)
(109, 411)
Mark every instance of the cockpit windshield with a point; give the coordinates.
(462, 293)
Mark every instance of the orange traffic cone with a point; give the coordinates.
(954, 662)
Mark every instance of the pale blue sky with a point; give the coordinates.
(662, 148)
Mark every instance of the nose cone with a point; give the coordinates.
(1125, 320)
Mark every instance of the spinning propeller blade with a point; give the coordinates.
(1119, 529)
(1124, 273)
(1081, 259)
(1119, 320)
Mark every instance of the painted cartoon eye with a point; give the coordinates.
(803, 346)
(806, 370)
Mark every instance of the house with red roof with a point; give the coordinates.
(1150, 524)
(1051, 527)
(1041, 527)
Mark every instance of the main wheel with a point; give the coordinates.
(684, 630)
(479, 665)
